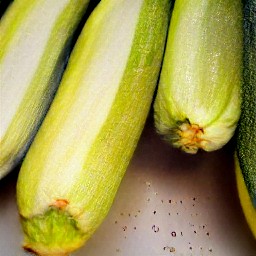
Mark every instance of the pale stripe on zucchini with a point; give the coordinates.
(35, 38)
(198, 100)
(73, 169)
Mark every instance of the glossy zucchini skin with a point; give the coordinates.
(72, 171)
(35, 41)
(246, 131)
(198, 100)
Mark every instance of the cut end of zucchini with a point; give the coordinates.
(187, 137)
(191, 137)
(245, 199)
(53, 233)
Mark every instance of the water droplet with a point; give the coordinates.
(148, 183)
(170, 249)
(155, 228)
(173, 234)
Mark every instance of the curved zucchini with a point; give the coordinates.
(34, 40)
(246, 131)
(198, 99)
(72, 171)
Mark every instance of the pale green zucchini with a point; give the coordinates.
(72, 171)
(35, 36)
(245, 158)
(198, 99)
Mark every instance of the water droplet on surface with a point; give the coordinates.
(170, 249)
(155, 228)
(173, 234)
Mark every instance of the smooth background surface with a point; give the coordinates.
(169, 203)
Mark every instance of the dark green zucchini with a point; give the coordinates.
(246, 132)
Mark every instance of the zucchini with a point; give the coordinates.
(72, 171)
(245, 156)
(197, 105)
(35, 37)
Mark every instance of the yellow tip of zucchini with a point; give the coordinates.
(245, 199)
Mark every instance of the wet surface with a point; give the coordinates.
(169, 203)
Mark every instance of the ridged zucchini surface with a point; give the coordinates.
(246, 132)
(198, 99)
(72, 171)
(34, 43)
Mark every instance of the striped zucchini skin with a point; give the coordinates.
(198, 99)
(246, 139)
(72, 171)
(35, 41)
